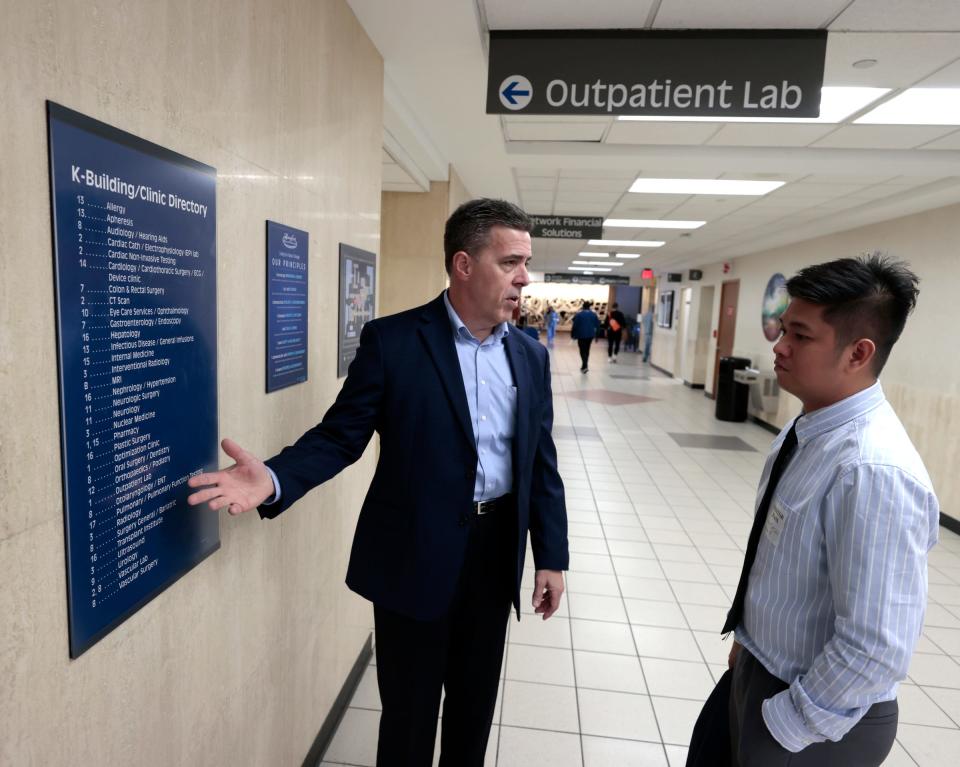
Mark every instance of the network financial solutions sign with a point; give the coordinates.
(567, 227)
(717, 73)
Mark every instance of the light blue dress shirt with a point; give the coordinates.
(837, 593)
(492, 399)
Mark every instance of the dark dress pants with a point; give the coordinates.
(750, 742)
(460, 654)
(584, 344)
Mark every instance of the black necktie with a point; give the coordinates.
(786, 449)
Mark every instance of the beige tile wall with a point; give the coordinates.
(238, 662)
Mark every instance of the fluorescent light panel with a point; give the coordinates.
(917, 106)
(628, 255)
(836, 104)
(589, 254)
(703, 186)
(647, 223)
(591, 264)
(588, 269)
(626, 243)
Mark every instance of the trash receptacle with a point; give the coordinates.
(732, 397)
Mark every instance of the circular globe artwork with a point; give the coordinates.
(775, 300)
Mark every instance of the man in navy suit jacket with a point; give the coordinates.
(467, 468)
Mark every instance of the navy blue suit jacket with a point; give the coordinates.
(405, 383)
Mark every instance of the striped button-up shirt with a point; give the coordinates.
(837, 593)
(492, 399)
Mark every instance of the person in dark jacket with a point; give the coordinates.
(585, 326)
(614, 325)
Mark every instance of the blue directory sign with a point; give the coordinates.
(134, 230)
(286, 306)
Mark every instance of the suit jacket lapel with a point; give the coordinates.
(517, 357)
(438, 336)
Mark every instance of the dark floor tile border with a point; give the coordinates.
(951, 523)
(691, 385)
(320, 744)
(763, 424)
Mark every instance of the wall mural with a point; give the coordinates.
(775, 300)
(534, 308)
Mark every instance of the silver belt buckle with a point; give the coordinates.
(480, 509)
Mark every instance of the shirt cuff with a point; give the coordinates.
(276, 488)
(786, 723)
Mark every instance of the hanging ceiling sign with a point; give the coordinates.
(567, 227)
(716, 73)
(587, 279)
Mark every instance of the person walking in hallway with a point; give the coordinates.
(467, 469)
(585, 326)
(833, 587)
(614, 323)
(551, 319)
(647, 333)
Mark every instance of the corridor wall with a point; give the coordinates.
(922, 376)
(238, 662)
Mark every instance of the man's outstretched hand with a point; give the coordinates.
(239, 488)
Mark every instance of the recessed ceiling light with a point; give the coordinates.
(593, 265)
(626, 243)
(652, 223)
(588, 254)
(864, 63)
(918, 106)
(588, 270)
(836, 104)
(628, 255)
(703, 186)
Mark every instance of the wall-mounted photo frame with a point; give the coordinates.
(665, 309)
(358, 301)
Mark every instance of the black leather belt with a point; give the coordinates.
(485, 507)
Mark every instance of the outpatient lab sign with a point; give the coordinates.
(717, 73)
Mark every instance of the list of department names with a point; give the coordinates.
(129, 330)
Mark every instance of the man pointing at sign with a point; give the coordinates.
(463, 406)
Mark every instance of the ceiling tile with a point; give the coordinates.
(619, 173)
(860, 178)
(535, 173)
(948, 77)
(607, 198)
(629, 132)
(556, 131)
(554, 14)
(882, 136)
(580, 208)
(594, 184)
(894, 15)
(536, 184)
(811, 190)
(950, 141)
(768, 134)
(902, 59)
(755, 14)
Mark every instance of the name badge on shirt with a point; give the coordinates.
(776, 518)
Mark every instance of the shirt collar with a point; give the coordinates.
(462, 331)
(825, 419)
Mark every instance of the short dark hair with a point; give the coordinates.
(586, 305)
(866, 297)
(468, 227)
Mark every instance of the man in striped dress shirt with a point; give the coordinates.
(835, 599)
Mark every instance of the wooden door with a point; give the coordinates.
(726, 327)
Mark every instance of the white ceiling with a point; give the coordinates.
(839, 175)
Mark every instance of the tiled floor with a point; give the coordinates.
(618, 676)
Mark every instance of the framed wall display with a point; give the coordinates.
(665, 309)
(775, 301)
(358, 272)
(287, 284)
(134, 243)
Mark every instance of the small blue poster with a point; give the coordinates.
(135, 263)
(287, 269)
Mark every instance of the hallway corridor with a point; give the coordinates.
(660, 498)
